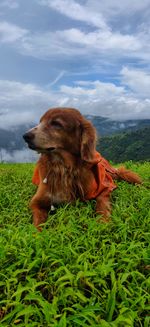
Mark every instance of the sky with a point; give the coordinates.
(93, 55)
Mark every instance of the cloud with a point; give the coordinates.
(113, 8)
(23, 104)
(10, 4)
(97, 13)
(138, 81)
(76, 11)
(101, 40)
(66, 44)
(10, 33)
(23, 155)
(73, 42)
(109, 30)
(97, 41)
(106, 100)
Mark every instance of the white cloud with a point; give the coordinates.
(97, 13)
(95, 89)
(76, 11)
(113, 8)
(23, 155)
(101, 40)
(74, 42)
(11, 4)
(22, 103)
(137, 80)
(127, 39)
(107, 100)
(10, 33)
(95, 45)
(96, 41)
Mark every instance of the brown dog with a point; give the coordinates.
(69, 166)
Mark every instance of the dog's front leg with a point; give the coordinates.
(39, 210)
(103, 206)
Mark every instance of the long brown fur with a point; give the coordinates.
(69, 166)
(128, 176)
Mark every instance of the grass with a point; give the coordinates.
(76, 272)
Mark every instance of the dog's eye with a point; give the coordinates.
(56, 123)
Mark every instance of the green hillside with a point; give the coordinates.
(126, 146)
(76, 272)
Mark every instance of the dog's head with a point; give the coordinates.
(63, 128)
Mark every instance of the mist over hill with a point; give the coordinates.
(106, 126)
(14, 149)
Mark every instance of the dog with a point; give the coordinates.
(69, 166)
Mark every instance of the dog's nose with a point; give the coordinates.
(28, 137)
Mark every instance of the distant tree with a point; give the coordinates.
(126, 146)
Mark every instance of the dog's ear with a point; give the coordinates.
(88, 141)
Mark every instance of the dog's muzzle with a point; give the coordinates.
(29, 137)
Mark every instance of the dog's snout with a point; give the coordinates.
(28, 137)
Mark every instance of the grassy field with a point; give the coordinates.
(76, 272)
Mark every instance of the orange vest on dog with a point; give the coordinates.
(102, 180)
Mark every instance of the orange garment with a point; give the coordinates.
(102, 181)
(36, 177)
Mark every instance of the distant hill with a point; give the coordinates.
(126, 146)
(14, 149)
(106, 126)
(12, 139)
